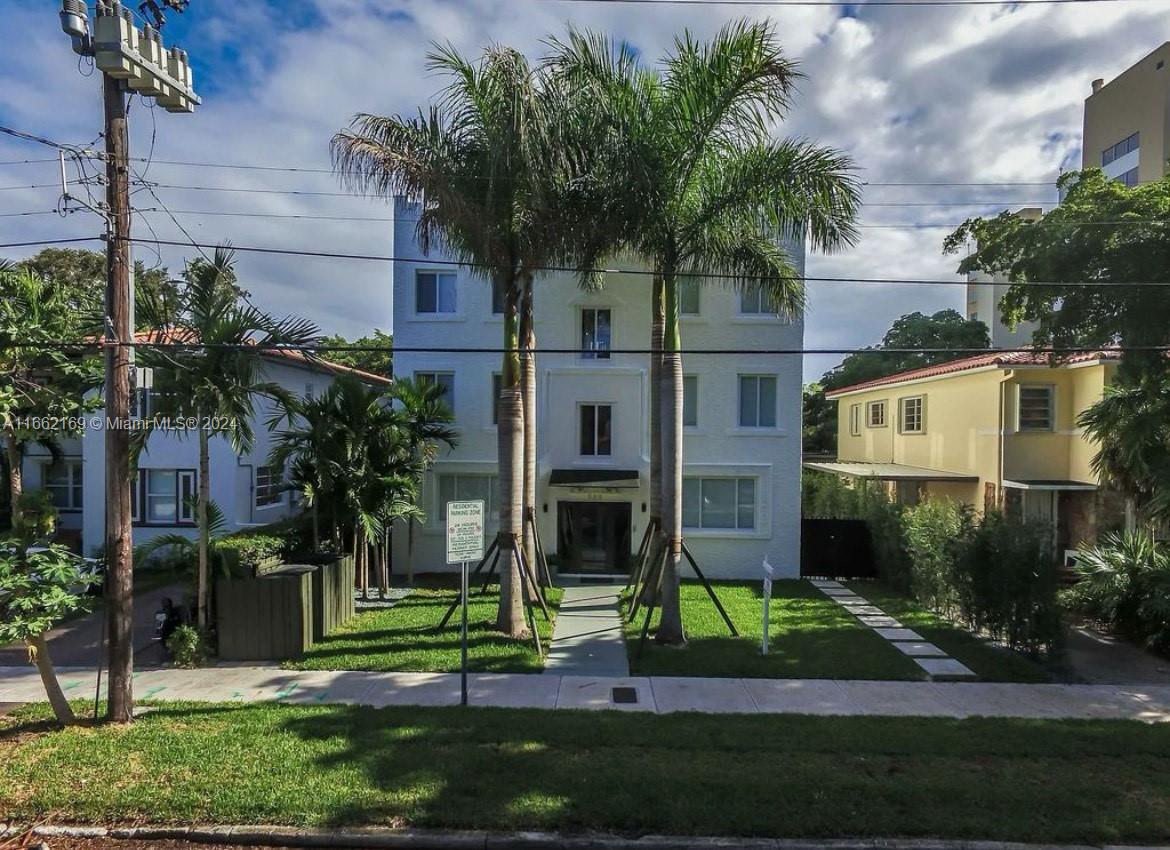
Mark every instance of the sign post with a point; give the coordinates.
(769, 572)
(464, 543)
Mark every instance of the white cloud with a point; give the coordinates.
(914, 94)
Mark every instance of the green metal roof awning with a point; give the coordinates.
(888, 471)
(593, 478)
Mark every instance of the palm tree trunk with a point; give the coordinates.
(657, 322)
(528, 344)
(61, 708)
(203, 592)
(410, 551)
(510, 432)
(15, 474)
(670, 628)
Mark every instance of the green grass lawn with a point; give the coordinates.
(990, 662)
(404, 638)
(810, 637)
(1042, 781)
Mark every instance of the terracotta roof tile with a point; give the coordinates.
(1001, 359)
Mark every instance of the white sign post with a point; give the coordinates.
(464, 543)
(769, 572)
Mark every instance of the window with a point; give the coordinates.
(434, 292)
(1036, 411)
(688, 297)
(269, 485)
(1129, 143)
(466, 487)
(875, 414)
(757, 401)
(719, 503)
(690, 411)
(1129, 178)
(309, 394)
(595, 334)
(752, 302)
(164, 497)
(446, 380)
(911, 412)
(497, 387)
(63, 481)
(497, 299)
(855, 420)
(596, 436)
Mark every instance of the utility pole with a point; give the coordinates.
(119, 300)
(129, 59)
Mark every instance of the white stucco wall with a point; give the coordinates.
(716, 446)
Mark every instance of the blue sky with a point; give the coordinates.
(925, 95)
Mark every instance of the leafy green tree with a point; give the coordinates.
(219, 378)
(380, 362)
(708, 197)
(39, 587)
(41, 383)
(487, 164)
(945, 330)
(1102, 232)
(819, 421)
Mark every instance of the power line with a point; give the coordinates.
(293, 252)
(391, 219)
(315, 348)
(51, 242)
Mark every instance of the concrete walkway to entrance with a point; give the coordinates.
(660, 695)
(588, 638)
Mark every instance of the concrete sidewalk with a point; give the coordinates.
(661, 695)
(588, 636)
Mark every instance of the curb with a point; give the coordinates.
(386, 838)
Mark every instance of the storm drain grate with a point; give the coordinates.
(625, 696)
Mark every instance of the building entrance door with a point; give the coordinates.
(593, 537)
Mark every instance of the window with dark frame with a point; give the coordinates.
(596, 433)
(690, 409)
(688, 297)
(446, 380)
(497, 387)
(1036, 409)
(497, 298)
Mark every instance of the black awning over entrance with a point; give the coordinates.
(593, 478)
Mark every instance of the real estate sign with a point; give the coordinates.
(464, 531)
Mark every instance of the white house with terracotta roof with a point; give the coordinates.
(247, 490)
(992, 430)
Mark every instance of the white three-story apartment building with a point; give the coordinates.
(742, 414)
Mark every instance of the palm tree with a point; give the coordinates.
(709, 197)
(1131, 426)
(426, 420)
(216, 374)
(483, 166)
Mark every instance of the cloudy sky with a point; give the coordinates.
(926, 95)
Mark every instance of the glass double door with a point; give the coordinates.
(593, 537)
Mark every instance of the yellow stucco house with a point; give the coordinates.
(995, 429)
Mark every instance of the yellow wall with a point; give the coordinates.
(962, 427)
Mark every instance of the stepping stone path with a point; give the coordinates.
(934, 661)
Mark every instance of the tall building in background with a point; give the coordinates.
(1127, 121)
(984, 292)
(1126, 135)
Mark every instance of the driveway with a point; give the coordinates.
(1100, 659)
(78, 642)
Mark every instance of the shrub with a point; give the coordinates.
(187, 647)
(246, 552)
(1007, 583)
(936, 532)
(1124, 584)
(885, 521)
(826, 496)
